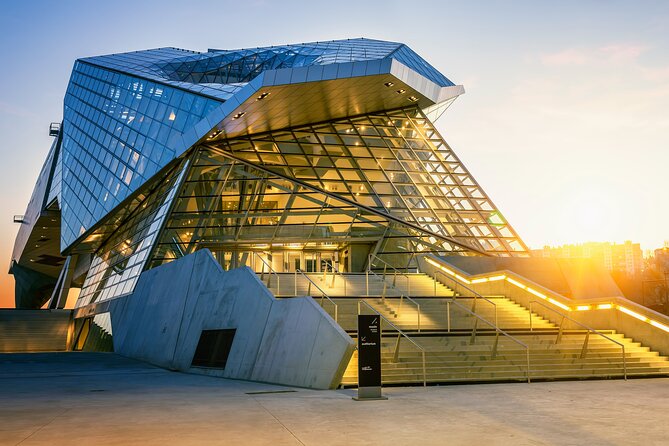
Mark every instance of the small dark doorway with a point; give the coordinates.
(213, 348)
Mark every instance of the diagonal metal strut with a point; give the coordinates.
(345, 200)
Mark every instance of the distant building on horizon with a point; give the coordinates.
(661, 257)
(624, 257)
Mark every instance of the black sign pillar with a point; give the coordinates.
(369, 358)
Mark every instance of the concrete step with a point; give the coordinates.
(452, 358)
(511, 376)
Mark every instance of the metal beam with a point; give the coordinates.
(345, 200)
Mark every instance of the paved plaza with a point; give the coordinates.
(104, 399)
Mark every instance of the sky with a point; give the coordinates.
(564, 122)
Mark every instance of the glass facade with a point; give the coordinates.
(157, 64)
(116, 266)
(383, 183)
(117, 131)
(251, 194)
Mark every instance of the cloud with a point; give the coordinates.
(614, 53)
(658, 74)
(569, 56)
(622, 53)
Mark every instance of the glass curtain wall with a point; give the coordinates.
(116, 266)
(321, 193)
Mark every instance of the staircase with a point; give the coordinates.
(458, 345)
(434, 314)
(454, 359)
(34, 330)
(353, 284)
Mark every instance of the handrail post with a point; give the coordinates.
(418, 305)
(531, 315)
(367, 281)
(396, 355)
(584, 350)
(424, 372)
(527, 353)
(559, 336)
(494, 346)
(473, 338)
(448, 316)
(624, 363)
(333, 279)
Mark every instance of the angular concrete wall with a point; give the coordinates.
(291, 342)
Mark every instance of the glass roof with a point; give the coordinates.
(221, 73)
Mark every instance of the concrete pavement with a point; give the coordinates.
(104, 399)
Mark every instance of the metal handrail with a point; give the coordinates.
(385, 269)
(498, 331)
(385, 284)
(399, 334)
(271, 271)
(401, 296)
(476, 295)
(399, 308)
(335, 272)
(584, 350)
(323, 294)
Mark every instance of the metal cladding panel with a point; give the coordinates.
(36, 206)
(331, 52)
(291, 104)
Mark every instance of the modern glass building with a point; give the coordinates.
(233, 212)
(310, 155)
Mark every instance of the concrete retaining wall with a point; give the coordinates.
(291, 342)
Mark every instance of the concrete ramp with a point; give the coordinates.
(34, 330)
(289, 342)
